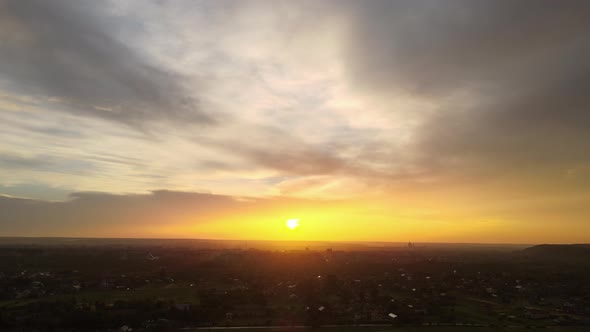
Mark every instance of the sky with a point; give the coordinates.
(439, 121)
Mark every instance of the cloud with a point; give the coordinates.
(433, 48)
(506, 79)
(294, 158)
(88, 212)
(39, 191)
(71, 53)
(15, 161)
(44, 163)
(465, 102)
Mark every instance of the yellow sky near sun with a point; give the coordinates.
(369, 220)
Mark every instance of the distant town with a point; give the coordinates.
(107, 287)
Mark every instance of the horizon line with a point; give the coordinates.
(267, 240)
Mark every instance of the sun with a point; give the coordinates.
(292, 223)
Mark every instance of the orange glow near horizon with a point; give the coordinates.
(356, 221)
(383, 219)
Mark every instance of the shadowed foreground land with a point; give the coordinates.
(163, 285)
(403, 329)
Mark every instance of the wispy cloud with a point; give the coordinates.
(309, 99)
(69, 52)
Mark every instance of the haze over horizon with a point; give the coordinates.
(429, 121)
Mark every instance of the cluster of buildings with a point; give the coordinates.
(255, 288)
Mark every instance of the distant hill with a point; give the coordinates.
(560, 252)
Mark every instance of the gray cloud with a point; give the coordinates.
(15, 161)
(70, 51)
(509, 80)
(38, 190)
(90, 211)
(430, 47)
(44, 163)
(298, 160)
